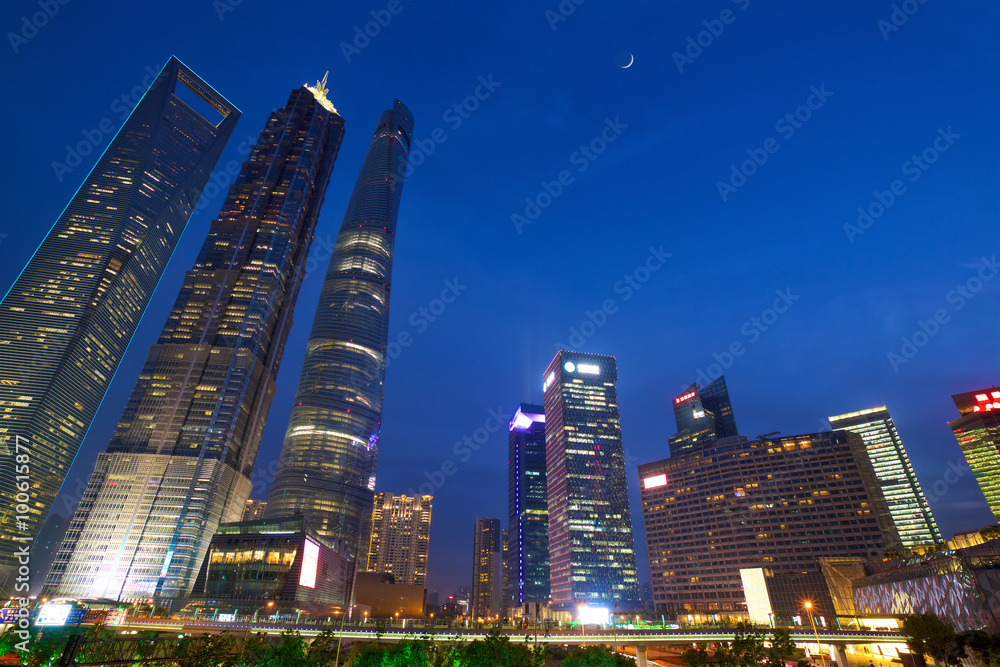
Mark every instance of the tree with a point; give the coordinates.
(929, 635)
(746, 649)
(696, 656)
(782, 647)
(597, 656)
(498, 651)
(407, 653)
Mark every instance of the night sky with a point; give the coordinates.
(867, 91)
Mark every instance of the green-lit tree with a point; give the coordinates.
(597, 656)
(498, 651)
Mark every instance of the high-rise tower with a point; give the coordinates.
(486, 568)
(180, 460)
(591, 548)
(703, 416)
(907, 505)
(780, 504)
(400, 537)
(326, 470)
(526, 558)
(978, 434)
(67, 320)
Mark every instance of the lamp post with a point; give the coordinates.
(583, 627)
(614, 629)
(246, 634)
(808, 606)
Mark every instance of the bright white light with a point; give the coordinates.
(53, 614)
(549, 380)
(590, 369)
(654, 481)
(310, 560)
(593, 615)
(569, 366)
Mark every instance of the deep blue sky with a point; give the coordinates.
(654, 185)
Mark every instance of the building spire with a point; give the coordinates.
(320, 90)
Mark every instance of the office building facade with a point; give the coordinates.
(180, 460)
(977, 431)
(69, 317)
(526, 554)
(909, 508)
(591, 547)
(326, 469)
(400, 537)
(486, 565)
(703, 415)
(779, 504)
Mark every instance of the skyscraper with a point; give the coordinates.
(909, 509)
(326, 469)
(703, 415)
(486, 568)
(67, 320)
(978, 434)
(180, 461)
(526, 565)
(591, 548)
(779, 504)
(400, 537)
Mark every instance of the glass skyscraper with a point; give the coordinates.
(703, 415)
(909, 508)
(486, 568)
(591, 548)
(67, 320)
(326, 470)
(978, 434)
(526, 564)
(179, 463)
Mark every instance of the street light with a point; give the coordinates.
(246, 634)
(808, 606)
(614, 629)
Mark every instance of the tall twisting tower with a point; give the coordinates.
(327, 466)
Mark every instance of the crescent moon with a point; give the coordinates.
(630, 61)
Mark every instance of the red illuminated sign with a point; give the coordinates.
(681, 399)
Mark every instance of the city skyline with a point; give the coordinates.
(480, 305)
